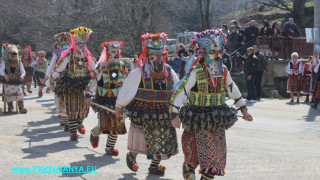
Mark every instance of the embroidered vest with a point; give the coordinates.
(12, 70)
(294, 66)
(147, 92)
(111, 80)
(12, 67)
(79, 67)
(201, 95)
(42, 67)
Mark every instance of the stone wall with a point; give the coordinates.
(275, 76)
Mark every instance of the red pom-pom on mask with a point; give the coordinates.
(7, 44)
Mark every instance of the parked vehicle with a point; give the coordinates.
(171, 45)
(184, 38)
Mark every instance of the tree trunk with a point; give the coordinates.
(202, 15)
(317, 19)
(298, 8)
(207, 15)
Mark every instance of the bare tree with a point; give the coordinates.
(204, 10)
(296, 10)
(35, 22)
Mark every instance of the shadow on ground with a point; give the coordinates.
(312, 114)
(91, 160)
(44, 150)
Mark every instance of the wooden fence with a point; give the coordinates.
(282, 47)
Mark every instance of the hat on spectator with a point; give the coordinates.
(234, 21)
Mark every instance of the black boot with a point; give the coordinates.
(22, 109)
(66, 128)
(10, 107)
(307, 99)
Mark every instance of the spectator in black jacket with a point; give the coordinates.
(250, 74)
(241, 42)
(182, 50)
(237, 63)
(182, 53)
(251, 33)
(235, 24)
(226, 58)
(290, 29)
(232, 39)
(266, 30)
(261, 67)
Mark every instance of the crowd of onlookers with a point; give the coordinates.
(241, 54)
(253, 66)
(239, 39)
(304, 78)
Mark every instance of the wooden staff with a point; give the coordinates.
(110, 110)
(102, 107)
(250, 117)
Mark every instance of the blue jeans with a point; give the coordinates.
(252, 94)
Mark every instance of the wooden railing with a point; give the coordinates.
(282, 47)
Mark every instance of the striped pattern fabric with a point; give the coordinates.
(149, 95)
(105, 91)
(148, 83)
(169, 80)
(206, 99)
(202, 80)
(111, 142)
(203, 97)
(108, 92)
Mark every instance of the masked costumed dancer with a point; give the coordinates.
(13, 73)
(106, 83)
(199, 103)
(73, 71)
(40, 70)
(62, 42)
(294, 69)
(146, 95)
(27, 60)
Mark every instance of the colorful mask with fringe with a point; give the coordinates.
(111, 52)
(27, 54)
(41, 54)
(153, 53)
(61, 40)
(78, 47)
(208, 43)
(79, 38)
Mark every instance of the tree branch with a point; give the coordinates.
(285, 7)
